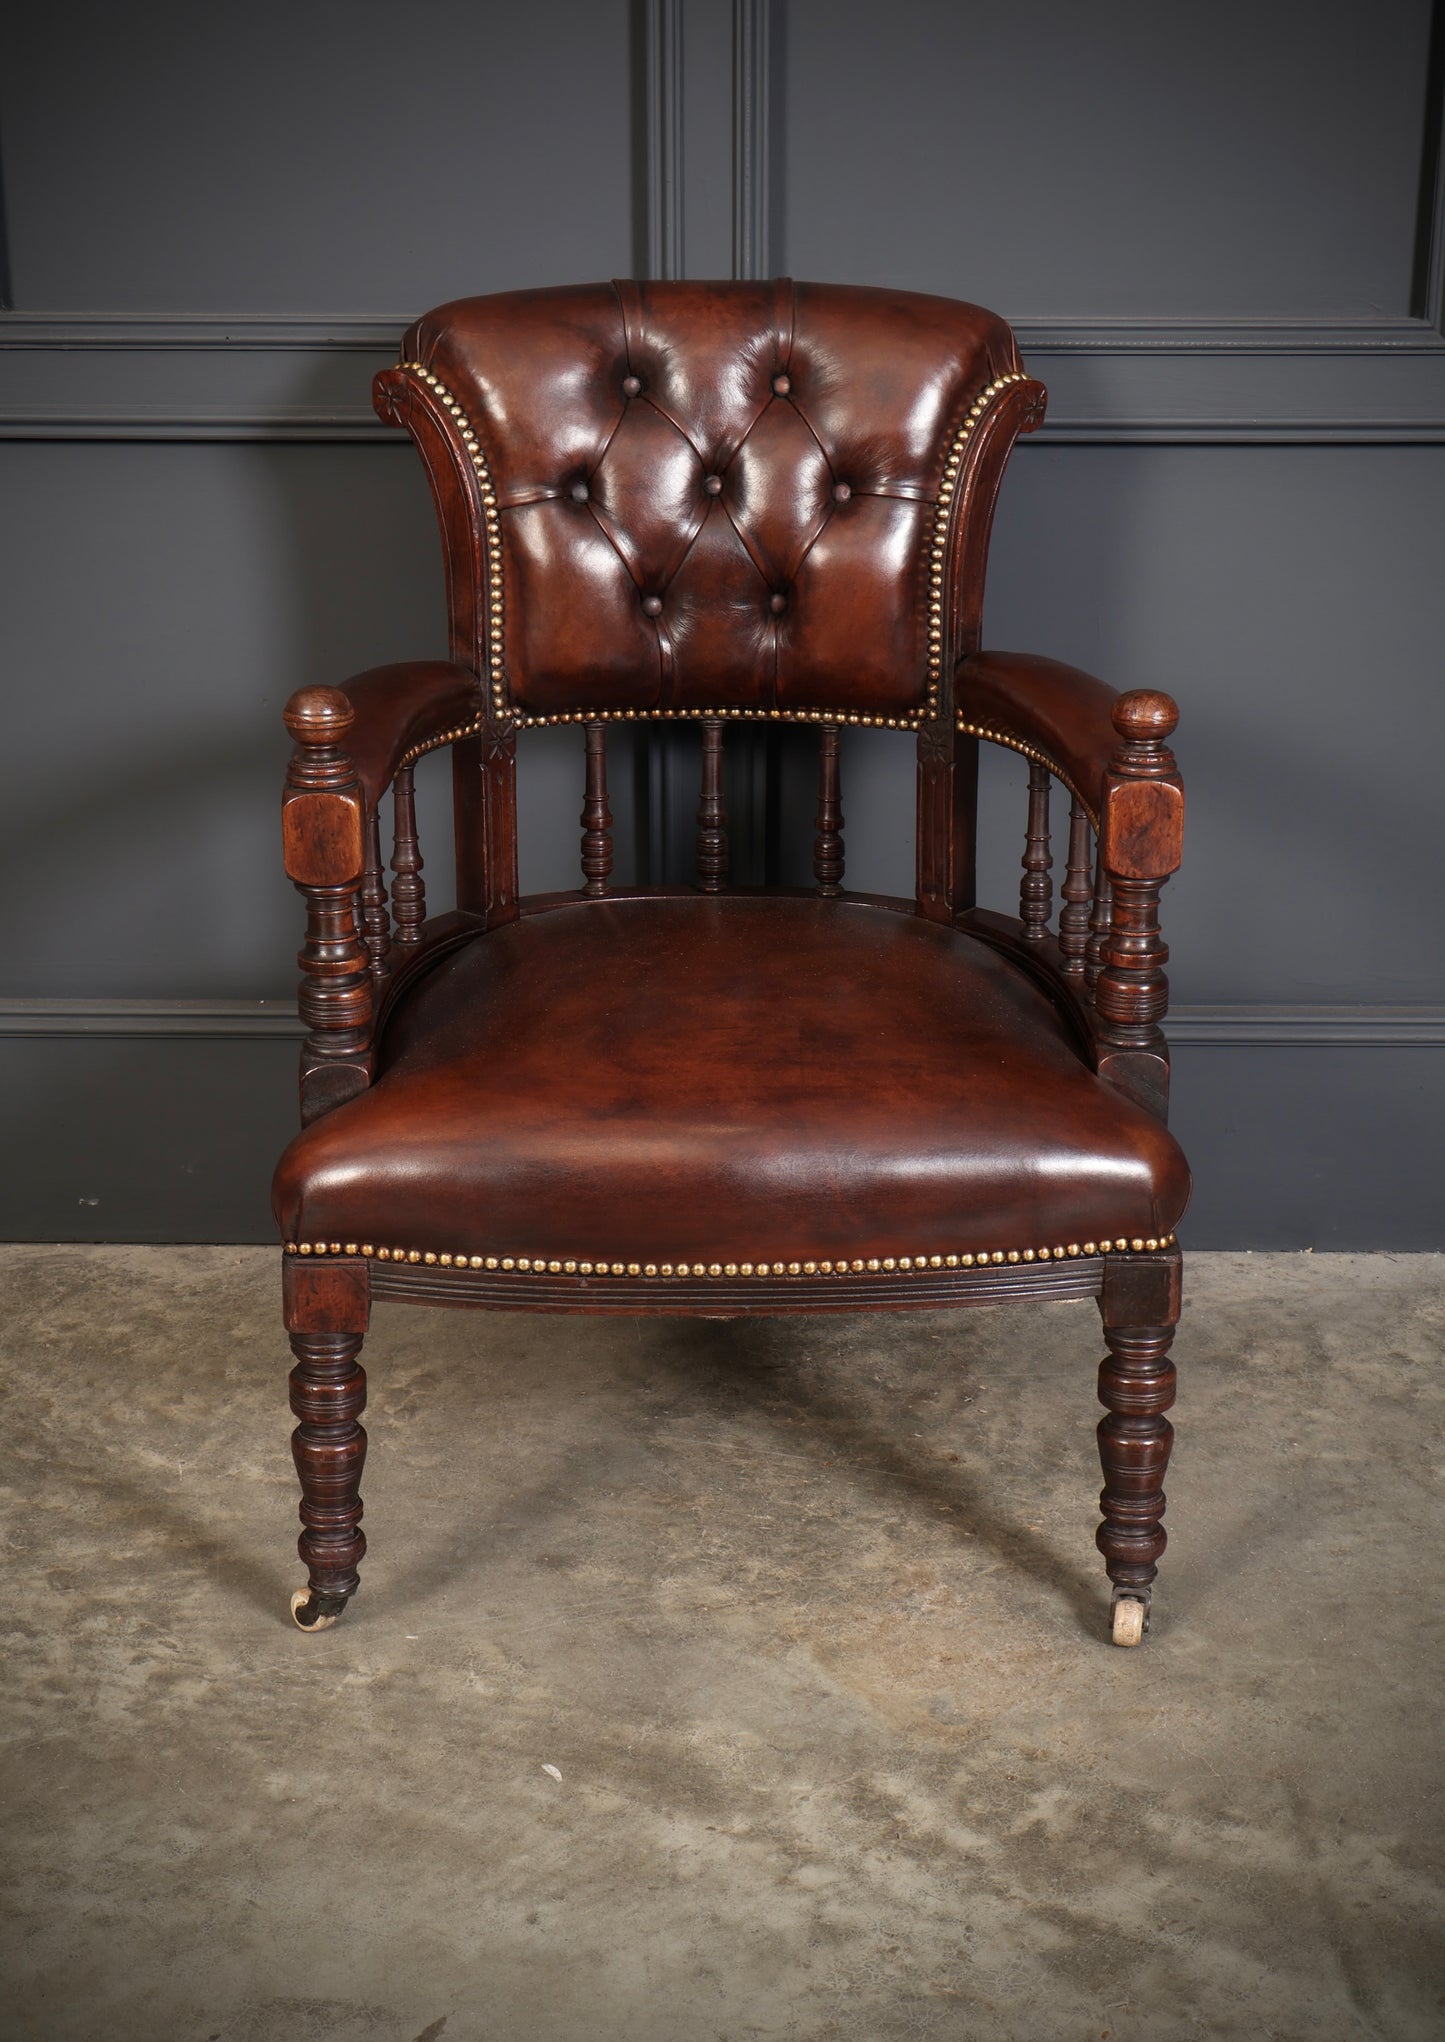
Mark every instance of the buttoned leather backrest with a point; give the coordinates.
(712, 495)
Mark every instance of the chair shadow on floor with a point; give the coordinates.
(751, 1360)
(702, 1363)
(759, 1363)
(193, 1541)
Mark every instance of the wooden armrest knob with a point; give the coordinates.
(321, 811)
(1143, 716)
(1143, 815)
(318, 715)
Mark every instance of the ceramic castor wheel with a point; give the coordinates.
(313, 1612)
(1129, 1620)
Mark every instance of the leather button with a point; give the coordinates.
(579, 492)
(632, 386)
(782, 385)
(841, 492)
(713, 485)
(652, 606)
(777, 603)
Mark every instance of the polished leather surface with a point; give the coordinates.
(715, 493)
(730, 1079)
(1042, 702)
(397, 707)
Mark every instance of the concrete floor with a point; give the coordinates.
(807, 1618)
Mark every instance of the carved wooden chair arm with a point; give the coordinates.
(1111, 751)
(352, 743)
(1041, 705)
(396, 710)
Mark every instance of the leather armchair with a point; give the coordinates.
(715, 504)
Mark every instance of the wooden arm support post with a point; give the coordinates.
(1141, 841)
(322, 828)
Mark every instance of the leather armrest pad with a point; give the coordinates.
(1057, 709)
(401, 706)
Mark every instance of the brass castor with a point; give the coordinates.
(1128, 1620)
(312, 1611)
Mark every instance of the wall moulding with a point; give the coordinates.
(754, 153)
(663, 247)
(102, 379)
(301, 377)
(236, 1020)
(158, 332)
(97, 377)
(1250, 1025)
(1229, 337)
(1323, 381)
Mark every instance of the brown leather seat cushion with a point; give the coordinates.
(730, 1079)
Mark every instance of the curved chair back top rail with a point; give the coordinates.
(758, 499)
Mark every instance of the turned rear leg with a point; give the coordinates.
(326, 1313)
(1140, 1308)
(328, 1395)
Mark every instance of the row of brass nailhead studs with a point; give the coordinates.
(755, 715)
(1001, 737)
(889, 1264)
(1017, 744)
(582, 716)
(431, 744)
(947, 487)
(487, 490)
(953, 463)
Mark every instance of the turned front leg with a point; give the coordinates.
(326, 1309)
(328, 1395)
(1137, 1383)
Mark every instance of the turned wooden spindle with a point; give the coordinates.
(1036, 893)
(1101, 911)
(328, 1395)
(828, 823)
(375, 921)
(1131, 996)
(408, 889)
(1076, 893)
(596, 816)
(321, 824)
(712, 834)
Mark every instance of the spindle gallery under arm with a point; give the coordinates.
(717, 504)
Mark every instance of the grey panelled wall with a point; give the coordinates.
(1217, 230)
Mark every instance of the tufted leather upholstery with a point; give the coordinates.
(714, 494)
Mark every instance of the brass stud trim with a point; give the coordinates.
(1029, 751)
(942, 518)
(582, 716)
(892, 1265)
(496, 614)
(491, 517)
(431, 744)
(911, 721)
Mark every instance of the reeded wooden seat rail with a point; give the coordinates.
(716, 505)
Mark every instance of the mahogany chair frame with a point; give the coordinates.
(1102, 964)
